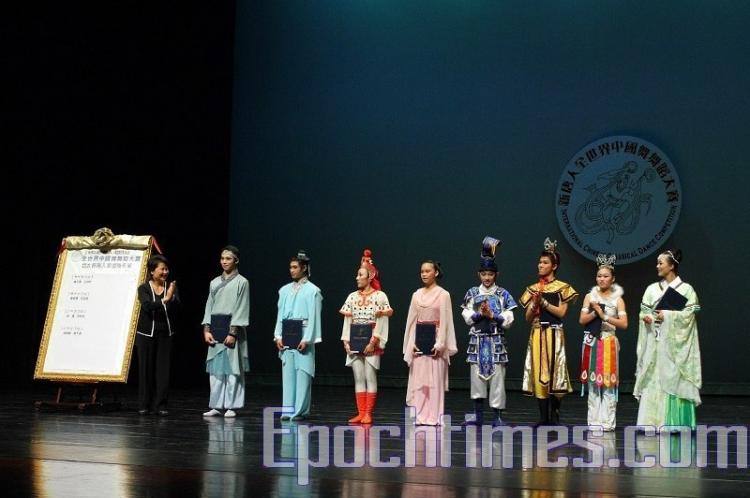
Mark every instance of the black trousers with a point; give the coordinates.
(154, 361)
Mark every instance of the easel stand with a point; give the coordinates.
(89, 399)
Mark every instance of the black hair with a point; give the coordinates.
(153, 262)
(436, 265)
(610, 268)
(675, 257)
(553, 256)
(298, 260)
(303, 260)
(232, 249)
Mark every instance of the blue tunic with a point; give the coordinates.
(301, 301)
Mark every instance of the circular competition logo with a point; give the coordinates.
(618, 195)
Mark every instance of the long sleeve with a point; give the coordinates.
(446, 335)
(209, 308)
(681, 333)
(468, 315)
(279, 318)
(346, 311)
(241, 308)
(645, 308)
(312, 332)
(381, 322)
(508, 318)
(346, 328)
(411, 325)
(467, 311)
(509, 304)
(381, 330)
(146, 299)
(644, 330)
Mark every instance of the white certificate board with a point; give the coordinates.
(92, 316)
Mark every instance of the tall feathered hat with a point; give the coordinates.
(487, 260)
(372, 270)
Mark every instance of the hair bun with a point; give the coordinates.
(675, 255)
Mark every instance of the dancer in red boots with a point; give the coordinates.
(365, 334)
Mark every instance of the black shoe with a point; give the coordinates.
(478, 414)
(555, 410)
(498, 419)
(162, 413)
(543, 412)
(143, 411)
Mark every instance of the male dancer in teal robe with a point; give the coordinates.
(298, 300)
(227, 361)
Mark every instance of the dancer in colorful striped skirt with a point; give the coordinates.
(603, 312)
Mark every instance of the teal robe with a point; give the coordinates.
(230, 297)
(304, 303)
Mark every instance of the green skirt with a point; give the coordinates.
(680, 412)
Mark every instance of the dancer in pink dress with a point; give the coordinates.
(428, 370)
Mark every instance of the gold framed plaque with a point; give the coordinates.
(93, 308)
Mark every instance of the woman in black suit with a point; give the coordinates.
(154, 336)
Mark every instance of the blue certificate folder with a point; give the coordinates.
(594, 327)
(220, 326)
(359, 336)
(546, 316)
(671, 300)
(425, 337)
(291, 333)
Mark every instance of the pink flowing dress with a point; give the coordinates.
(428, 375)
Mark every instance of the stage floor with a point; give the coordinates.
(122, 454)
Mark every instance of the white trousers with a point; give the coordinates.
(227, 391)
(495, 385)
(365, 375)
(602, 408)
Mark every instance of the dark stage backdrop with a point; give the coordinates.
(121, 118)
(416, 128)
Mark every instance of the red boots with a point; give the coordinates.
(361, 404)
(369, 406)
(365, 406)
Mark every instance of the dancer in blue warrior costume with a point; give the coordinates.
(488, 310)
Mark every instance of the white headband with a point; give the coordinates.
(227, 251)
